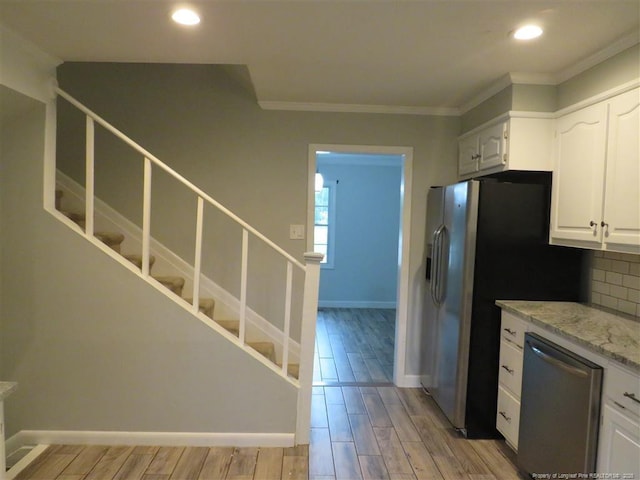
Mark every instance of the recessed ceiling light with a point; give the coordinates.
(184, 16)
(528, 32)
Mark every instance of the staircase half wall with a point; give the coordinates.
(96, 351)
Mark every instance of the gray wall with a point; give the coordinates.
(210, 129)
(617, 70)
(93, 347)
(367, 226)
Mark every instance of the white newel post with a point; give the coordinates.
(307, 344)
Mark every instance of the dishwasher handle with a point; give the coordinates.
(556, 359)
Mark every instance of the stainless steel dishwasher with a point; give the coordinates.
(559, 411)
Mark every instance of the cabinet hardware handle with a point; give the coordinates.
(603, 225)
(504, 415)
(619, 405)
(510, 332)
(632, 396)
(593, 224)
(510, 370)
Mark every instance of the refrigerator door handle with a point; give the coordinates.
(435, 278)
(442, 271)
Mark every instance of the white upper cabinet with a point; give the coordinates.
(508, 142)
(622, 191)
(596, 177)
(468, 156)
(578, 175)
(493, 142)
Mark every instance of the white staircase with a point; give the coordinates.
(184, 282)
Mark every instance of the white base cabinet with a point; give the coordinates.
(510, 378)
(619, 433)
(619, 444)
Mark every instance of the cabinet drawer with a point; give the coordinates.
(512, 329)
(508, 417)
(510, 375)
(623, 388)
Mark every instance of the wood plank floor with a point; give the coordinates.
(354, 345)
(357, 433)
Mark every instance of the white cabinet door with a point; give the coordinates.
(493, 142)
(578, 177)
(619, 444)
(621, 217)
(468, 155)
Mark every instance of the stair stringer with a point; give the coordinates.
(168, 263)
(180, 301)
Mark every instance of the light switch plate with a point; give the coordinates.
(296, 232)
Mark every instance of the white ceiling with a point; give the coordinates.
(425, 56)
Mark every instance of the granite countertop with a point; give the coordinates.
(610, 335)
(6, 389)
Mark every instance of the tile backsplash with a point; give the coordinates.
(615, 281)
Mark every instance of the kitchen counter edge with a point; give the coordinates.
(610, 335)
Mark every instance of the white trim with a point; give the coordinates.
(358, 108)
(25, 461)
(500, 84)
(506, 116)
(402, 301)
(515, 78)
(190, 439)
(168, 263)
(409, 381)
(523, 78)
(600, 56)
(355, 304)
(375, 160)
(600, 97)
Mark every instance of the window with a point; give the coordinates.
(324, 223)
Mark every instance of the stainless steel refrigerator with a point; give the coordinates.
(486, 240)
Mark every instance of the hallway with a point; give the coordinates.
(354, 345)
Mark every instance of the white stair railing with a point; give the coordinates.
(310, 269)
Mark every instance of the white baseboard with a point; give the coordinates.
(24, 462)
(408, 381)
(186, 439)
(354, 304)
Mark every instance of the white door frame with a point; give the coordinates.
(402, 307)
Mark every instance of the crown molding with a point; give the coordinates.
(358, 108)
(523, 78)
(600, 56)
(500, 84)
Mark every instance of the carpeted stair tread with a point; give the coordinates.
(175, 284)
(206, 305)
(136, 259)
(111, 239)
(58, 201)
(293, 369)
(76, 217)
(266, 349)
(232, 326)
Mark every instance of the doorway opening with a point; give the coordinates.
(360, 219)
